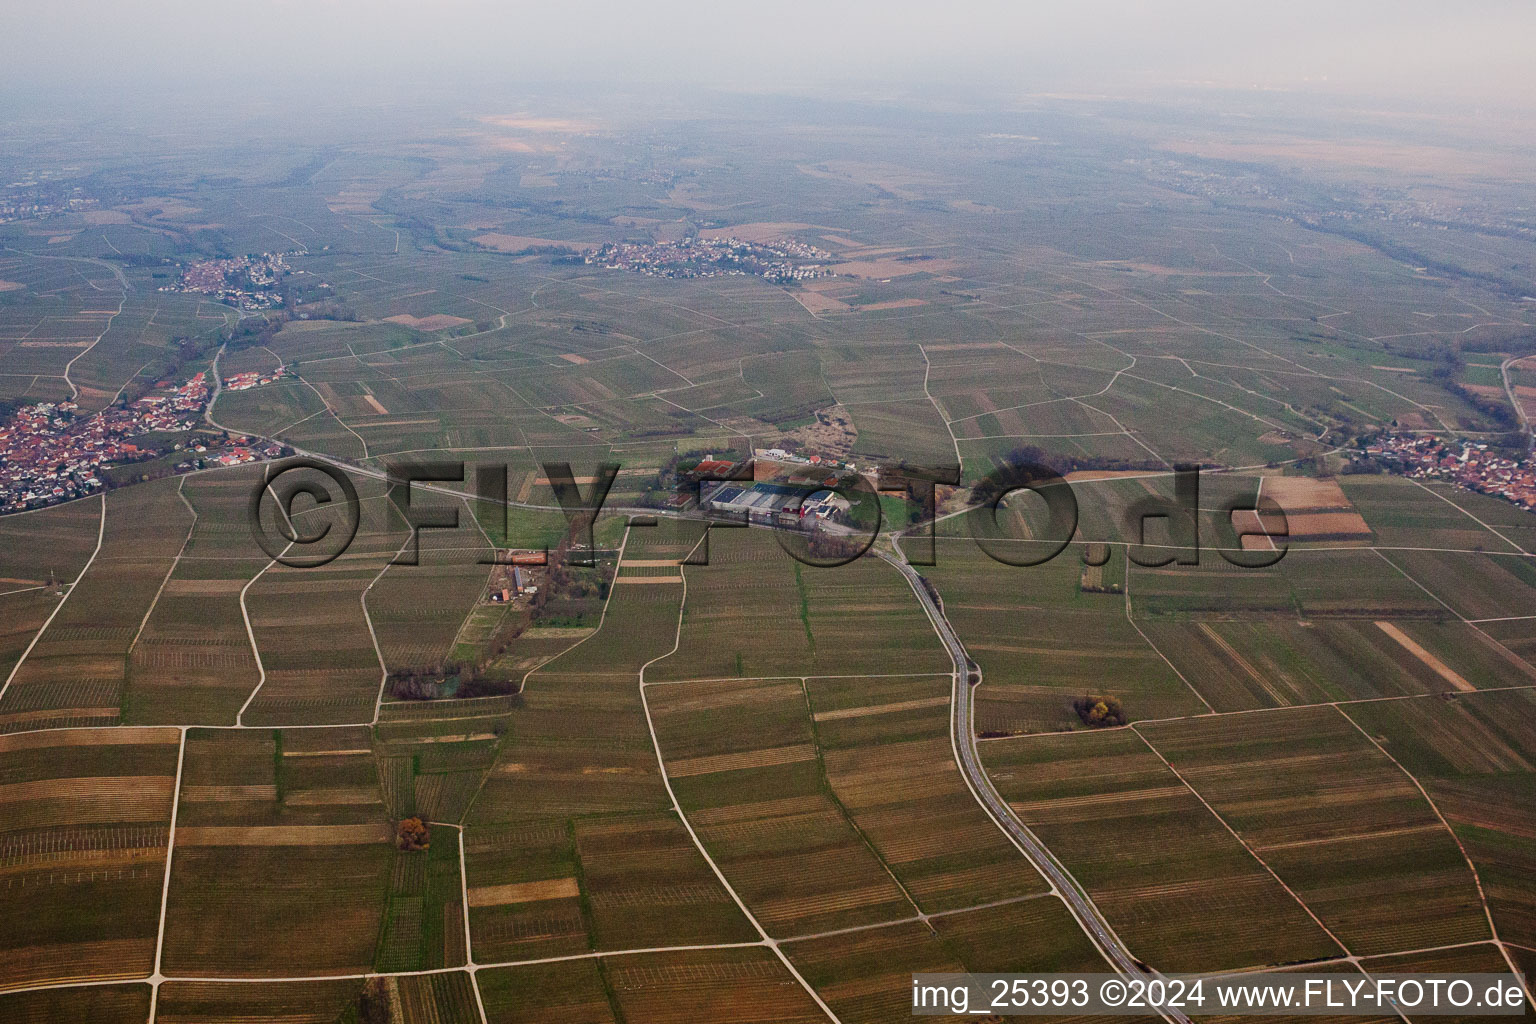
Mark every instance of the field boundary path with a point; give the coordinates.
(962, 737)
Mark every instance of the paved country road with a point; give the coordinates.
(1514, 399)
(963, 740)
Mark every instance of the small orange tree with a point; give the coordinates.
(1100, 712)
(412, 834)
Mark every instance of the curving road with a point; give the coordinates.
(962, 736)
(1514, 400)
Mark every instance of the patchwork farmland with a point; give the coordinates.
(506, 757)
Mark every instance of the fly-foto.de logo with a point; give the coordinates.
(305, 512)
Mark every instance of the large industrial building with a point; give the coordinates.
(774, 503)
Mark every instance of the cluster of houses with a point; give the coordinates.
(237, 452)
(40, 199)
(779, 455)
(50, 454)
(41, 209)
(246, 282)
(780, 261)
(254, 379)
(1469, 464)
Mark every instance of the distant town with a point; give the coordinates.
(249, 283)
(50, 454)
(1469, 464)
(780, 261)
(40, 198)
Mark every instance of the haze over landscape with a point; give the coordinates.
(661, 514)
(1414, 50)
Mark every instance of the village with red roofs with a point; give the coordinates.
(1469, 464)
(50, 453)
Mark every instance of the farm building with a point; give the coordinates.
(762, 502)
(826, 505)
(779, 504)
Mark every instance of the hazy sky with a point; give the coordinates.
(1459, 51)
